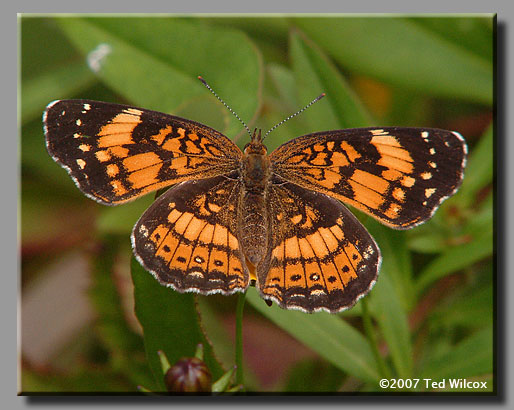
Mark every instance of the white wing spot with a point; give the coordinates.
(143, 231)
(368, 252)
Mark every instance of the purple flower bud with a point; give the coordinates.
(188, 375)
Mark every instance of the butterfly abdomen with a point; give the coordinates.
(255, 173)
(253, 226)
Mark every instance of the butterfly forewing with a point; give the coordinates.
(116, 153)
(398, 175)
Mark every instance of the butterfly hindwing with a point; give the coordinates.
(188, 238)
(320, 257)
(398, 175)
(116, 153)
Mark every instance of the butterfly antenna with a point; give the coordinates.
(225, 104)
(295, 114)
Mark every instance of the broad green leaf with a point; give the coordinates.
(129, 70)
(314, 74)
(456, 258)
(396, 261)
(392, 320)
(401, 52)
(170, 323)
(328, 335)
(471, 357)
(154, 63)
(63, 82)
(473, 33)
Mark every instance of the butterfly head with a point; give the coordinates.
(255, 146)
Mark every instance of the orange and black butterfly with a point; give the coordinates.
(232, 217)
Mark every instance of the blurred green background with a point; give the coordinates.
(432, 308)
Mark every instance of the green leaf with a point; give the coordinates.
(170, 323)
(60, 83)
(314, 74)
(430, 241)
(121, 219)
(471, 357)
(392, 296)
(456, 258)
(284, 81)
(328, 335)
(401, 52)
(474, 34)
(392, 320)
(300, 376)
(473, 308)
(396, 261)
(139, 63)
(126, 348)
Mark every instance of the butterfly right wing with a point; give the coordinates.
(116, 153)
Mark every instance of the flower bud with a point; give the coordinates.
(188, 375)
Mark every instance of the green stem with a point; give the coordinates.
(370, 333)
(239, 337)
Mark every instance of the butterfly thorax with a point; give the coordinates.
(255, 175)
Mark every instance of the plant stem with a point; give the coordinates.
(239, 337)
(368, 327)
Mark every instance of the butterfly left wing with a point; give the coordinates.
(187, 238)
(116, 153)
(320, 257)
(397, 175)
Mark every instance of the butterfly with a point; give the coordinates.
(235, 217)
